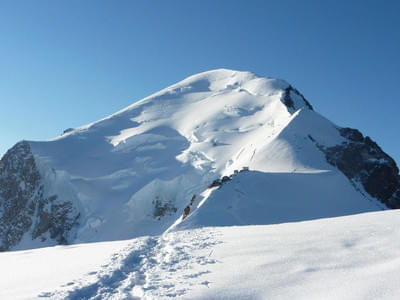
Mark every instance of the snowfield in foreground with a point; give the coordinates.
(351, 257)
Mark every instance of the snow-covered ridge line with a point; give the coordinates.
(226, 79)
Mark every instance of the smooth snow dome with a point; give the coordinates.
(132, 174)
(352, 257)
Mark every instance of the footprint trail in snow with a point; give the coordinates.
(162, 267)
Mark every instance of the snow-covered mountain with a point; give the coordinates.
(241, 149)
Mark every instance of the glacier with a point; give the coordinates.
(131, 174)
(284, 204)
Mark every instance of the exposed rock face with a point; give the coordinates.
(290, 93)
(362, 160)
(162, 208)
(24, 208)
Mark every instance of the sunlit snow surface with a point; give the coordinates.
(235, 243)
(174, 143)
(352, 257)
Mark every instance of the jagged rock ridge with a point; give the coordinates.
(362, 160)
(288, 99)
(24, 208)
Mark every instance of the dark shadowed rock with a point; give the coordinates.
(24, 209)
(215, 183)
(225, 179)
(162, 208)
(362, 160)
(351, 134)
(288, 99)
(67, 130)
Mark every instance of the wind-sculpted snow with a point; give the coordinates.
(132, 174)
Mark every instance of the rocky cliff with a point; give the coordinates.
(364, 162)
(25, 209)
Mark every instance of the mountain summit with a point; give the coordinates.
(234, 147)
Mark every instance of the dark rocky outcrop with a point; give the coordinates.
(288, 99)
(55, 218)
(363, 161)
(162, 208)
(221, 181)
(24, 208)
(67, 130)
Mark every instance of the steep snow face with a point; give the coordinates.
(133, 172)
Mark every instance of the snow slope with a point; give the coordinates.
(132, 173)
(256, 198)
(270, 217)
(27, 274)
(352, 257)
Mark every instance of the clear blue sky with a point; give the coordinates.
(67, 63)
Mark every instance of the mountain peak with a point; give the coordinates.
(224, 81)
(134, 172)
